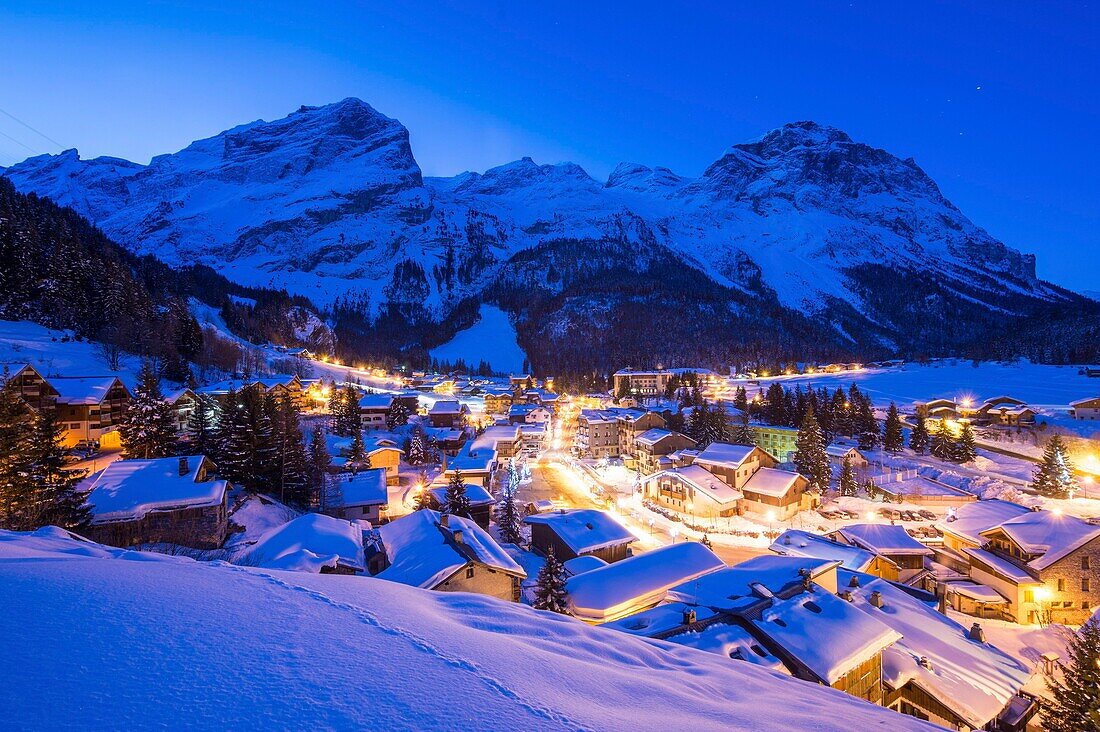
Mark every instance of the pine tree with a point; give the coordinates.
(965, 448)
(417, 453)
(742, 433)
(235, 436)
(1075, 704)
(344, 408)
(294, 470)
(1054, 475)
(741, 400)
(457, 503)
(148, 429)
(550, 591)
(319, 461)
(698, 427)
(942, 444)
(866, 426)
(202, 426)
(893, 439)
(425, 498)
(871, 489)
(397, 415)
(507, 517)
(842, 422)
(358, 459)
(847, 485)
(16, 468)
(56, 497)
(919, 437)
(810, 457)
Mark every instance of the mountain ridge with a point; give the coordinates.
(330, 203)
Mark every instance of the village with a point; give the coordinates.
(930, 557)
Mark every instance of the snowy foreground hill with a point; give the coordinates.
(803, 233)
(101, 638)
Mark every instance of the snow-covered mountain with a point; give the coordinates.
(803, 232)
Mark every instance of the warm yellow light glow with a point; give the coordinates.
(1042, 594)
(1056, 511)
(870, 516)
(771, 516)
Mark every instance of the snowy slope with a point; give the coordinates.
(330, 201)
(492, 338)
(116, 639)
(57, 353)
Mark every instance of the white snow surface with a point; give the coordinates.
(308, 543)
(492, 338)
(101, 641)
(584, 529)
(126, 490)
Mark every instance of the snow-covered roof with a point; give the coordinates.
(171, 397)
(976, 591)
(729, 641)
(490, 438)
(704, 482)
(445, 406)
(308, 543)
(798, 543)
(637, 582)
(1002, 566)
(799, 625)
(771, 482)
(842, 451)
(583, 563)
(1054, 535)
(884, 539)
(423, 552)
(659, 619)
(365, 488)
(975, 680)
(736, 587)
(971, 519)
(82, 390)
(478, 495)
(362, 634)
(126, 490)
(724, 455)
(653, 436)
(1085, 402)
(375, 401)
(584, 530)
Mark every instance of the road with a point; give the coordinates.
(551, 480)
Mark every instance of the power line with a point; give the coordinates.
(37, 132)
(28, 147)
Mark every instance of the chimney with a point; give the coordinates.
(854, 582)
(847, 595)
(924, 661)
(457, 536)
(184, 467)
(876, 599)
(976, 633)
(689, 616)
(445, 520)
(787, 539)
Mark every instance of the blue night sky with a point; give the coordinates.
(997, 101)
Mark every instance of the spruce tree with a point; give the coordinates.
(942, 444)
(871, 489)
(319, 461)
(457, 503)
(1054, 475)
(893, 439)
(235, 436)
(550, 591)
(741, 400)
(742, 432)
(294, 471)
(919, 437)
(202, 426)
(810, 457)
(357, 455)
(507, 517)
(842, 422)
(1075, 699)
(16, 470)
(417, 453)
(425, 498)
(397, 415)
(148, 429)
(965, 448)
(847, 485)
(866, 426)
(56, 497)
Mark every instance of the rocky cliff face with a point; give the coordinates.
(803, 231)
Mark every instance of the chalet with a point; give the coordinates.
(1086, 408)
(778, 441)
(1042, 564)
(373, 409)
(938, 670)
(889, 541)
(481, 501)
(630, 424)
(363, 495)
(734, 464)
(609, 593)
(310, 543)
(497, 401)
(447, 554)
(521, 382)
(479, 458)
(183, 403)
(693, 491)
(576, 532)
(175, 500)
(448, 413)
(1006, 413)
(33, 388)
(938, 409)
(90, 408)
(777, 492)
(448, 440)
(289, 386)
(381, 452)
(652, 445)
(798, 543)
(838, 453)
(528, 414)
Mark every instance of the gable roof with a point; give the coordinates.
(971, 519)
(723, 455)
(376, 401)
(771, 482)
(84, 390)
(424, 553)
(447, 406)
(751, 581)
(478, 495)
(126, 490)
(705, 482)
(584, 529)
(798, 543)
(365, 488)
(1051, 534)
(884, 539)
(975, 680)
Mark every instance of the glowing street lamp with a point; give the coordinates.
(870, 515)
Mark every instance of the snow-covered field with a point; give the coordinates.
(56, 352)
(492, 338)
(113, 639)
